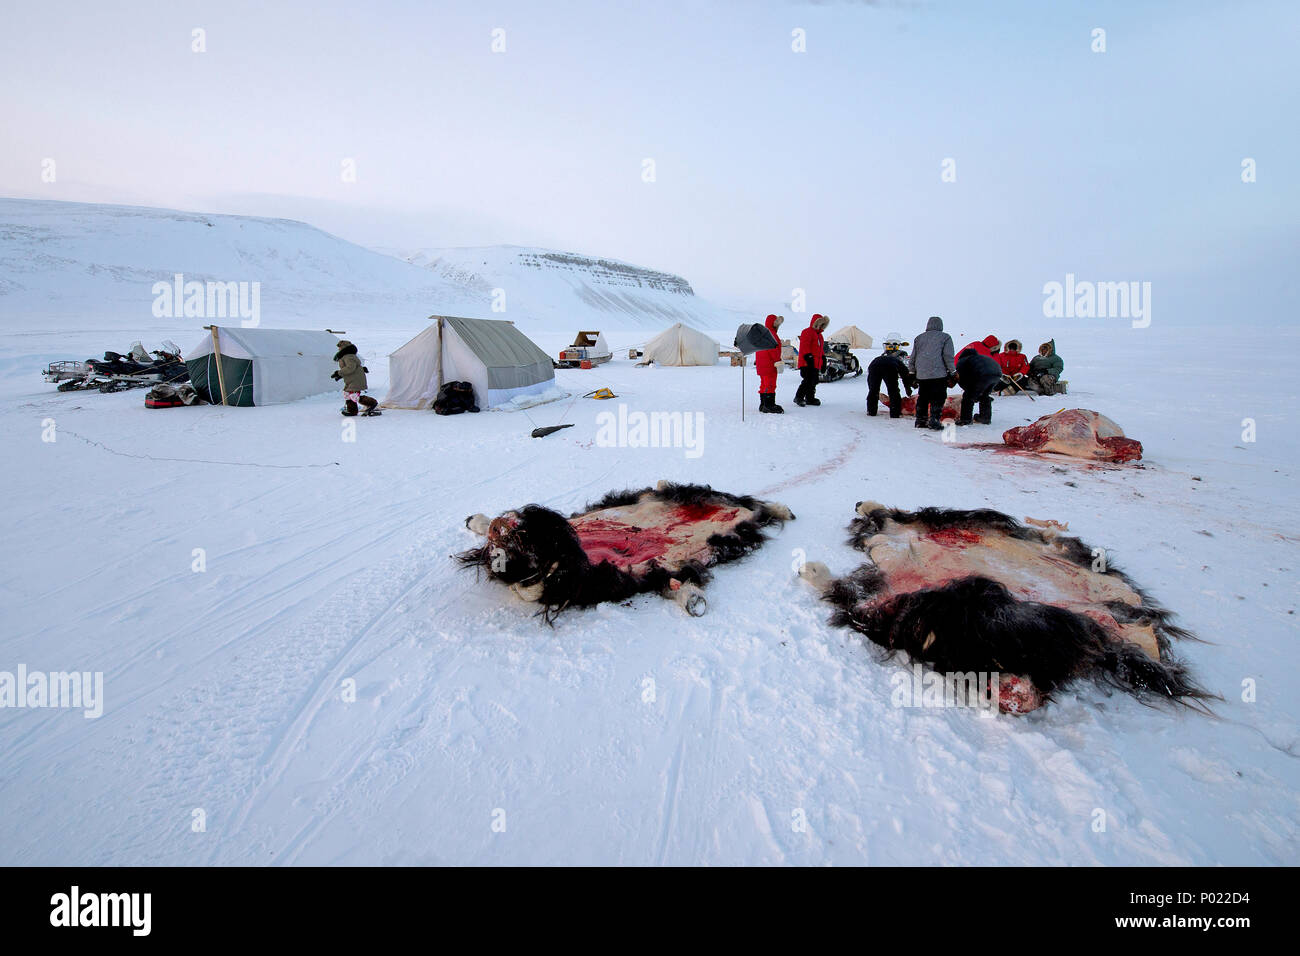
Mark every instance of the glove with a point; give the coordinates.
(808, 360)
(952, 379)
(364, 369)
(336, 376)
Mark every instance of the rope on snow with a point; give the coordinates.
(192, 461)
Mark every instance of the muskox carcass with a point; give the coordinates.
(1077, 432)
(663, 539)
(976, 591)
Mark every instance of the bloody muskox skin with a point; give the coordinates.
(663, 539)
(975, 623)
(951, 410)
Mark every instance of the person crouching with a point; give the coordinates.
(977, 373)
(888, 368)
(1045, 370)
(1014, 366)
(353, 375)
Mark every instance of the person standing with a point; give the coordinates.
(888, 368)
(931, 362)
(812, 357)
(353, 375)
(767, 362)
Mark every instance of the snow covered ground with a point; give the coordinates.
(329, 561)
(627, 733)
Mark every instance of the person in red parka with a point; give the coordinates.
(1014, 366)
(988, 347)
(767, 362)
(812, 356)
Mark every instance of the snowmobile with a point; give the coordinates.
(117, 372)
(839, 362)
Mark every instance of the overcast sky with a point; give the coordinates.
(773, 169)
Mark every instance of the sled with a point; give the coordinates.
(58, 372)
(587, 351)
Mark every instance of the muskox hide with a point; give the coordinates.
(977, 591)
(663, 539)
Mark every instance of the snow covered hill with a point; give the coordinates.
(76, 265)
(70, 266)
(550, 288)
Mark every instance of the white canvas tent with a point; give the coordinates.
(853, 336)
(680, 345)
(262, 366)
(500, 362)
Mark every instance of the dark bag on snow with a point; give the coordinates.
(171, 396)
(754, 338)
(454, 398)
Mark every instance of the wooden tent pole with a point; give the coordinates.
(221, 376)
(439, 354)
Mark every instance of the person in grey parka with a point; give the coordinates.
(353, 375)
(931, 362)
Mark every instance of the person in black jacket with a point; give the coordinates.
(888, 368)
(977, 373)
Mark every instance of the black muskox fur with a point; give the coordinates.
(976, 624)
(549, 551)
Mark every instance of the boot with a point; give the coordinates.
(920, 422)
(767, 404)
(349, 408)
(936, 425)
(985, 416)
(813, 400)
